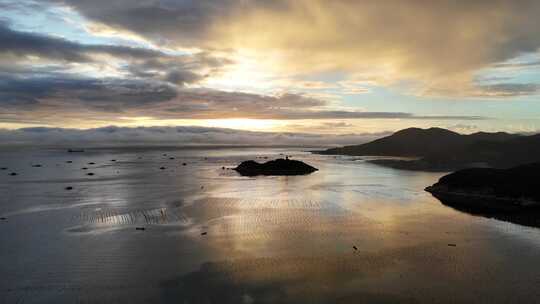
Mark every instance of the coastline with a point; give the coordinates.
(483, 201)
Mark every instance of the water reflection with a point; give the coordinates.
(529, 217)
(214, 237)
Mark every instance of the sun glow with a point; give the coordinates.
(246, 124)
(249, 73)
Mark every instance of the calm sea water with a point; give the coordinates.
(212, 236)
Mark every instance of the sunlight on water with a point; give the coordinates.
(350, 232)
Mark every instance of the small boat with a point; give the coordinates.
(75, 150)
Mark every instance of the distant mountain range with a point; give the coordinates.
(437, 149)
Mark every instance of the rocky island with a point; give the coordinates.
(507, 194)
(274, 167)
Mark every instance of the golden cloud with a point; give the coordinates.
(439, 44)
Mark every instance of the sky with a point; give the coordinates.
(337, 68)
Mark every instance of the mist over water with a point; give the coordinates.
(212, 236)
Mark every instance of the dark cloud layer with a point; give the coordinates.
(139, 62)
(109, 95)
(19, 43)
(60, 94)
(162, 21)
(508, 89)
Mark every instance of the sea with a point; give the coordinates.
(178, 225)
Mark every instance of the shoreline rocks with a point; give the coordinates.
(511, 195)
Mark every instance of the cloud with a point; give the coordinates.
(176, 136)
(518, 65)
(437, 44)
(180, 70)
(22, 6)
(136, 62)
(501, 90)
(508, 89)
(339, 124)
(166, 22)
(56, 95)
(18, 43)
(325, 127)
(149, 82)
(61, 93)
(463, 128)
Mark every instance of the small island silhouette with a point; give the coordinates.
(274, 167)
